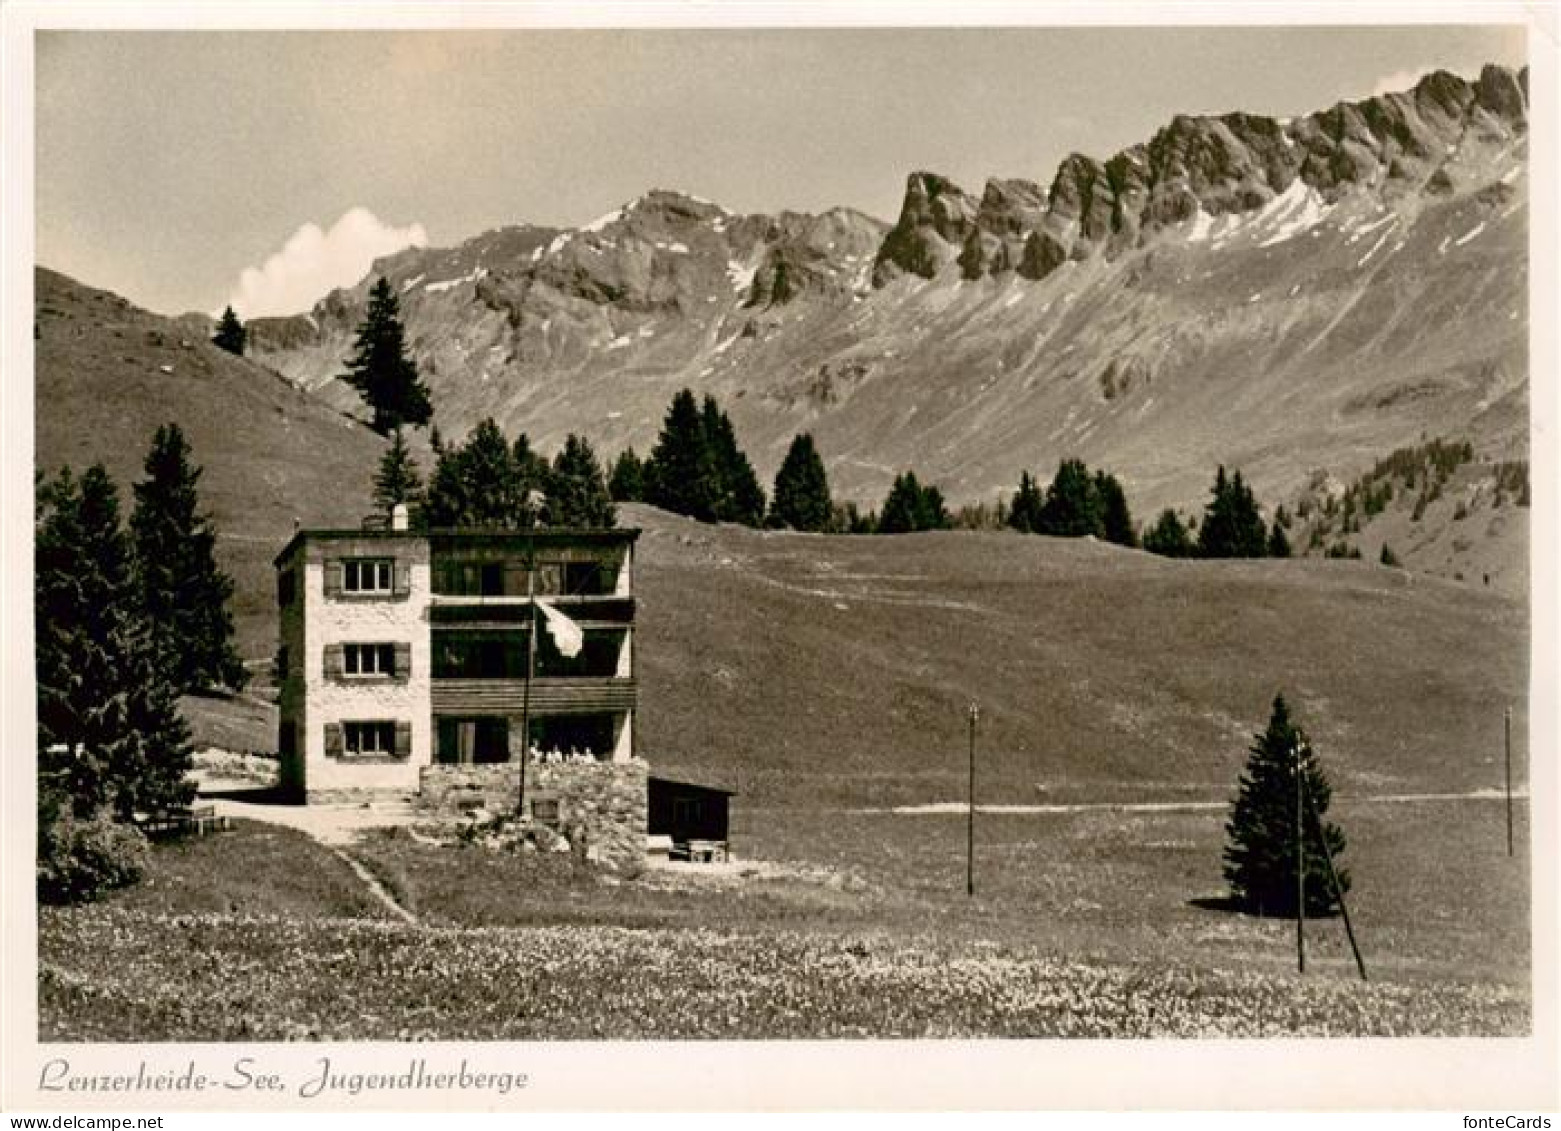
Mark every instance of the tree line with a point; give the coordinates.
(489, 481)
(127, 619)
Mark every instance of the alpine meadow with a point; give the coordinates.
(1089, 603)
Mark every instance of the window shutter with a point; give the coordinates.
(334, 665)
(333, 740)
(403, 581)
(403, 668)
(403, 739)
(333, 578)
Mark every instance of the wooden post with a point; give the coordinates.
(1300, 870)
(970, 811)
(1338, 889)
(1507, 719)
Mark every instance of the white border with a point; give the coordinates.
(1488, 1075)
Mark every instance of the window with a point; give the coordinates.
(376, 739)
(369, 659)
(367, 575)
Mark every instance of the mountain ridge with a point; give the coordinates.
(1293, 297)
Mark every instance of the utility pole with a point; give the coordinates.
(1300, 869)
(970, 815)
(1507, 717)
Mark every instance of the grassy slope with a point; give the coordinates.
(272, 454)
(826, 670)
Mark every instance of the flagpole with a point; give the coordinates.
(531, 659)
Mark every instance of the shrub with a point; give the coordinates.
(81, 859)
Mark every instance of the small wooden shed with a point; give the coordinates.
(695, 817)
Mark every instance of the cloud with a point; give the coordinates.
(1399, 81)
(314, 262)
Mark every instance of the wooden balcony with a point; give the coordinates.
(548, 696)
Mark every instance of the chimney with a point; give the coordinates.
(398, 517)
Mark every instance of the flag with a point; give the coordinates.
(565, 632)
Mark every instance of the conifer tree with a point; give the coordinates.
(230, 334)
(484, 482)
(1116, 523)
(627, 482)
(1072, 508)
(397, 480)
(1260, 852)
(380, 370)
(738, 496)
(1025, 512)
(577, 491)
(1168, 537)
(182, 591)
(932, 512)
(1278, 541)
(1232, 526)
(901, 512)
(680, 475)
(910, 506)
(110, 737)
(801, 499)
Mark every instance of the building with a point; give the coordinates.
(404, 652)
(693, 818)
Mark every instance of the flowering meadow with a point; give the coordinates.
(262, 934)
(133, 976)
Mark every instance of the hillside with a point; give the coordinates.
(108, 374)
(1294, 297)
(838, 669)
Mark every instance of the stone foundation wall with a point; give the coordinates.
(600, 806)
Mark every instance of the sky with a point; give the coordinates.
(189, 169)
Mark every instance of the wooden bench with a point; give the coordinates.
(197, 819)
(706, 851)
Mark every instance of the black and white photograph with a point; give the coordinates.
(556, 529)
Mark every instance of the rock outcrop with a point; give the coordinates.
(1233, 163)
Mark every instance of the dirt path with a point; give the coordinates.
(376, 889)
(946, 807)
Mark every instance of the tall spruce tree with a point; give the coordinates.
(1232, 525)
(577, 491)
(627, 483)
(230, 334)
(801, 498)
(910, 506)
(484, 482)
(398, 479)
(901, 513)
(1116, 522)
(110, 737)
(1024, 514)
(680, 475)
(1261, 833)
(738, 496)
(1072, 508)
(182, 591)
(380, 370)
